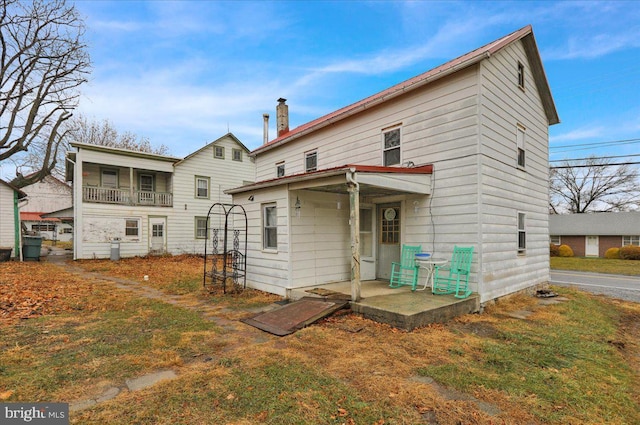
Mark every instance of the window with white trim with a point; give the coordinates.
(218, 152)
(269, 227)
(391, 147)
(202, 187)
(132, 227)
(280, 169)
(522, 234)
(630, 240)
(201, 227)
(555, 240)
(310, 161)
(520, 142)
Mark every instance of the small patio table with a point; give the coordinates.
(429, 264)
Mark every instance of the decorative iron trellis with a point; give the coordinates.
(225, 250)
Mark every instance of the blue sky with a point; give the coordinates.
(184, 73)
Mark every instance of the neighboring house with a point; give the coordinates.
(50, 228)
(10, 198)
(455, 156)
(47, 196)
(592, 234)
(150, 203)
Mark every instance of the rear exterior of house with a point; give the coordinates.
(150, 204)
(455, 156)
(592, 234)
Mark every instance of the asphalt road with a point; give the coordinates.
(615, 286)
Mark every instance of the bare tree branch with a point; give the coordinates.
(43, 62)
(593, 185)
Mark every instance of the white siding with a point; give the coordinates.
(47, 195)
(506, 188)
(223, 174)
(268, 270)
(321, 236)
(7, 218)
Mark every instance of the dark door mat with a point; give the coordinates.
(296, 315)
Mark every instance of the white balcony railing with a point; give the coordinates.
(106, 195)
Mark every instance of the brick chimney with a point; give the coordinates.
(282, 117)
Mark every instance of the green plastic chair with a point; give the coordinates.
(406, 271)
(453, 278)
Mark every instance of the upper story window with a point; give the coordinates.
(218, 152)
(236, 155)
(202, 187)
(522, 234)
(110, 178)
(311, 161)
(391, 147)
(280, 169)
(521, 75)
(147, 182)
(520, 142)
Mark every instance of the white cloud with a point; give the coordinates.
(578, 134)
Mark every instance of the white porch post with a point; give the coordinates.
(131, 198)
(354, 219)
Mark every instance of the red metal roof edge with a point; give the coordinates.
(35, 216)
(407, 85)
(328, 172)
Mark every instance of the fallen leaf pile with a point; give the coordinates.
(29, 290)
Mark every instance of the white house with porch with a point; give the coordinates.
(455, 156)
(147, 203)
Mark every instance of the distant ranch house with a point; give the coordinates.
(591, 235)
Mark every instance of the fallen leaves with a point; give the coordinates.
(29, 290)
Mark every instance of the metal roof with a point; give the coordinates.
(595, 224)
(525, 34)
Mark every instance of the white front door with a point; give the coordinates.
(367, 244)
(389, 238)
(157, 235)
(592, 247)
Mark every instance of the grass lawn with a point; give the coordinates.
(596, 265)
(65, 337)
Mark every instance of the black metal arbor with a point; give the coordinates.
(225, 250)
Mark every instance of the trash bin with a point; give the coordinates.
(31, 246)
(115, 249)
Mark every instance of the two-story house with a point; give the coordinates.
(455, 156)
(149, 203)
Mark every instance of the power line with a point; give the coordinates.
(593, 165)
(599, 157)
(586, 146)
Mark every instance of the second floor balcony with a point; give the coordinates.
(107, 195)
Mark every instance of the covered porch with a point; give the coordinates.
(398, 307)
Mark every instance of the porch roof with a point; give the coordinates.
(373, 180)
